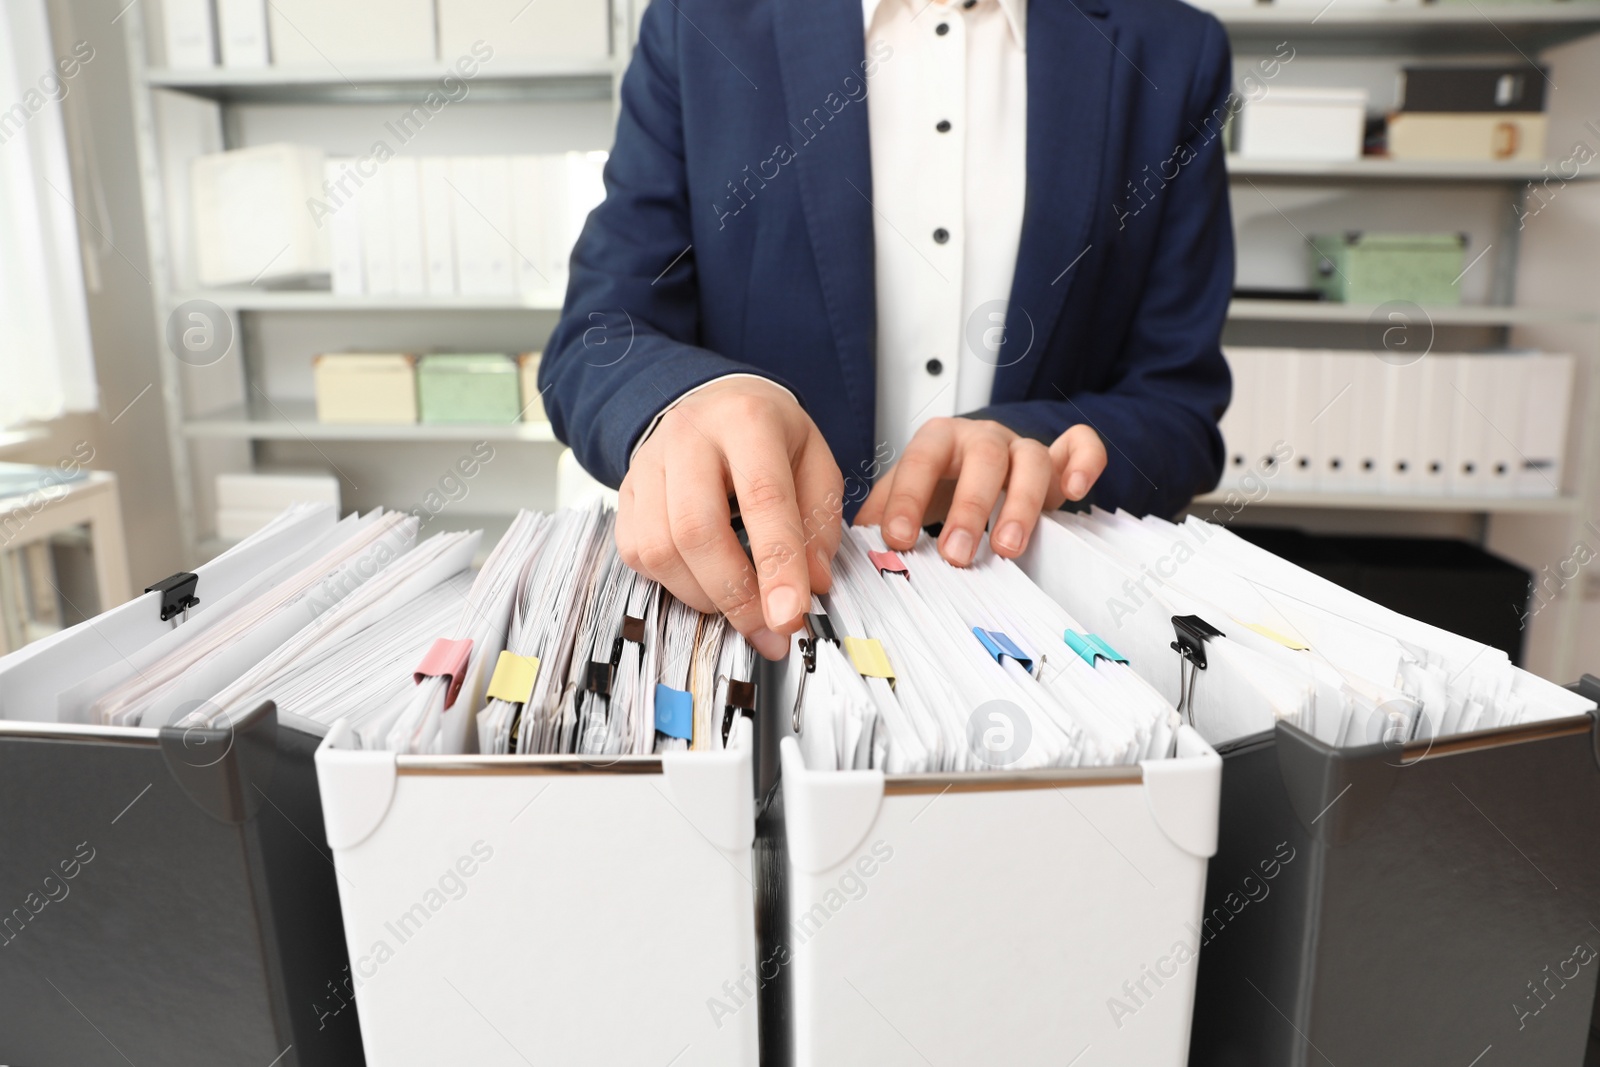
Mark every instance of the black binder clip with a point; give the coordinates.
(741, 700)
(818, 628)
(177, 594)
(602, 672)
(1192, 634)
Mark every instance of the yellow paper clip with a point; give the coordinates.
(1273, 635)
(870, 660)
(514, 676)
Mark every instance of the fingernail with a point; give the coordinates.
(1009, 537)
(902, 529)
(958, 548)
(770, 645)
(1077, 485)
(783, 604)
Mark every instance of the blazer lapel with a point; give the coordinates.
(1070, 54)
(820, 44)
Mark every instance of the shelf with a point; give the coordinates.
(1346, 26)
(1561, 505)
(1398, 170)
(1459, 315)
(321, 300)
(296, 420)
(514, 80)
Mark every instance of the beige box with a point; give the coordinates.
(532, 401)
(366, 387)
(553, 29)
(320, 33)
(1471, 136)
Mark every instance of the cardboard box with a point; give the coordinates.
(1469, 136)
(251, 225)
(532, 400)
(570, 30)
(577, 909)
(367, 387)
(1372, 268)
(316, 33)
(1303, 124)
(461, 387)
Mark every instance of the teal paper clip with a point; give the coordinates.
(1000, 645)
(1090, 647)
(674, 712)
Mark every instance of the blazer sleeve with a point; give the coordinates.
(625, 346)
(1159, 418)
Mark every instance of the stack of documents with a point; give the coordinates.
(912, 665)
(1239, 638)
(1397, 422)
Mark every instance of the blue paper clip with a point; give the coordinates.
(674, 712)
(1000, 645)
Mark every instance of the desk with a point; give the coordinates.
(29, 520)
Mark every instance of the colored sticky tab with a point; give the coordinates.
(889, 563)
(513, 677)
(999, 645)
(446, 659)
(870, 660)
(1106, 650)
(674, 712)
(1273, 635)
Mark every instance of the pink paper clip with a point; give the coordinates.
(889, 563)
(446, 659)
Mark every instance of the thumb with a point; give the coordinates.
(1079, 458)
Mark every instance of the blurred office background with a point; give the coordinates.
(252, 252)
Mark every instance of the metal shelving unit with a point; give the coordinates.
(296, 420)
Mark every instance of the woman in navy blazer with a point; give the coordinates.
(1120, 291)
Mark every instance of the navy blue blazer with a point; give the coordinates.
(737, 235)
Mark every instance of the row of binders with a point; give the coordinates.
(392, 225)
(1434, 424)
(1119, 736)
(196, 34)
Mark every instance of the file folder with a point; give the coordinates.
(1437, 905)
(546, 908)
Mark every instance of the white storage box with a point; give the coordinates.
(250, 219)
(1324, 125)
(568, 30)
(545, 909)
(1012, 918)
(317, 33)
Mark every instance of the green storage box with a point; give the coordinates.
(476, 387)
(1373, 268)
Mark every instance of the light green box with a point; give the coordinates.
(1373, 268)
(468, 387)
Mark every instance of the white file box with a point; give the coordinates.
(997, 918)
(545, 909)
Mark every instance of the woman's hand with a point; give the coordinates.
(957, 468)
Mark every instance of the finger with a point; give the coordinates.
(763, 480)
(699, 517)
(871, 511)
(985, 459)
(819, 492)
(624, 527)
(928, 459)
(658, 553)
(1080, 456)
(1029, 482)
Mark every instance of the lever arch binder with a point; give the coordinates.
(560, 909)
(167, 894)
(1437, 902)
(169, 899)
